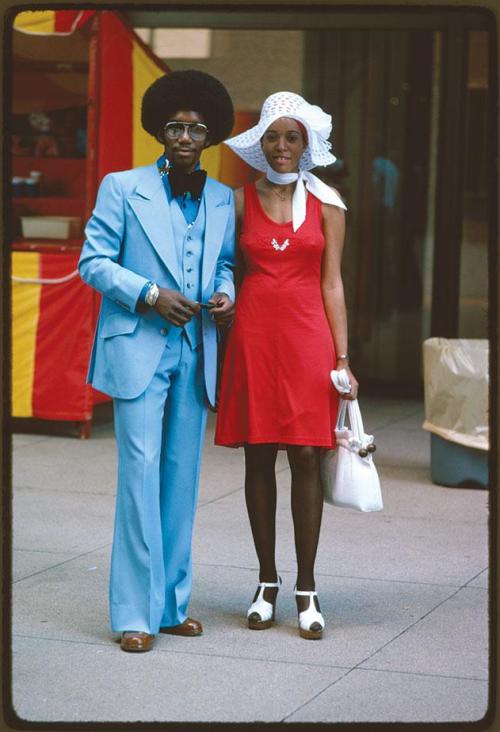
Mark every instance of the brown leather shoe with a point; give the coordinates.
(135, 641)
(188, 627)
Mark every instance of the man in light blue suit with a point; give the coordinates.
(159, 246)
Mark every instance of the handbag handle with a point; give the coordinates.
(356, 420)
(351, 407)
(341, 414)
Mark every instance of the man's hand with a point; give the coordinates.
(176, 308)
(223, 312)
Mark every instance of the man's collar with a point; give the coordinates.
(164, 166)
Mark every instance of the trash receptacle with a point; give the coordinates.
(456, 410)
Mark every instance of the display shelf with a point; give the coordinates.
(48, 199)
(48, 205)
(47, 245)
(61, 177)
(31, 159)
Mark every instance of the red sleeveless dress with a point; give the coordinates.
(276, 384)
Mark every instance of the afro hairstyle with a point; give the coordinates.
(192, 90)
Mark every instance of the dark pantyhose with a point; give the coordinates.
(260, 496)
(307, 508)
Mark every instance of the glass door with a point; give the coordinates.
(379, 87)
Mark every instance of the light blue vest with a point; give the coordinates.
(188, 240)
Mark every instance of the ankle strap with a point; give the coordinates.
(270, 584)
(306, 593)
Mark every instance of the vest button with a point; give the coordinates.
(163, 331)
(189, 285)
(188, 254)
(189, 237)
(189, 269)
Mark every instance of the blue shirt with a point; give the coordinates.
(188, 205)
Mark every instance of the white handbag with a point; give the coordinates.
(348, 474)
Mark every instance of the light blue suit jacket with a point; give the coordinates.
(128, 241)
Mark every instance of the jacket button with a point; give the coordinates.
(188, 254)
(189, 269)
(164, 331)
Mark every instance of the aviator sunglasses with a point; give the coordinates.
(196, 130)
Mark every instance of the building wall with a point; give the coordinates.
(252, 64)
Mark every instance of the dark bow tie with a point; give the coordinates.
(182, 182)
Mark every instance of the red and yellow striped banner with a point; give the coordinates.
(52, 330)
(126, 68)
(50, 22)
(25, 314)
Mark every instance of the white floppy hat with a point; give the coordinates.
(318, 125)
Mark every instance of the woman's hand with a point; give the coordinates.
(176, 308)
(353, 394)
(223, 312)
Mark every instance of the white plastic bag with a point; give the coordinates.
(348, 474)
(456, 389)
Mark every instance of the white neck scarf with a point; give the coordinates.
(304, 180)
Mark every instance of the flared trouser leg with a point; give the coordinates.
(143, 535)
(185, 423)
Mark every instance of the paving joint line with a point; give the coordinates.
(411, 625)
(39, 551)
(62, 491)
(167, 651)
(476, 576)
(421, 673)
(252, 658)
(342, 576)
(59, 564)
(235, 490)
(254, 569)
(374, 653)
(328, 686)
(262, 660)
(259, 659)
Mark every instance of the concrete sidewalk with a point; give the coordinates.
(403, 592)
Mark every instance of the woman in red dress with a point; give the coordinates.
(289, 332)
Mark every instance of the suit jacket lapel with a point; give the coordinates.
(150, 205)
(216, 213)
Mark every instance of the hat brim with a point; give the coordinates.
(248, 146)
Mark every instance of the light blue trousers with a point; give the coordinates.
(160, 438)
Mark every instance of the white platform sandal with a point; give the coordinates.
(260, 614)
(311, 621)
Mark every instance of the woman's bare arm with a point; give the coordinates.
(332, 287)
